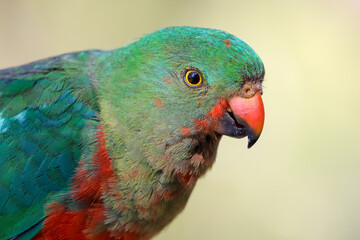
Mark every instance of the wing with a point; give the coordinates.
(47, 109)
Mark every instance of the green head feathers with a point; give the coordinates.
(163, 100)
(144, 91)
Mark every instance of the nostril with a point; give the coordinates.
(247, 90)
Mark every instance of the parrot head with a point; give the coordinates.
(176, 92)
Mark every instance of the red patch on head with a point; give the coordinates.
(227, 42)
(158, 103)
(211, 120)
(219, 109)
(213, 86)
(167, 80)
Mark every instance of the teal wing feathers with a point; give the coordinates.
(45, 108)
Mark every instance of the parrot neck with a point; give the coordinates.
(147, 192)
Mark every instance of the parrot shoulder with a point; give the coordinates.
(48, 113)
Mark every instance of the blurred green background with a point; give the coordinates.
(302, 179)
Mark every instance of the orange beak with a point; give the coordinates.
(245, 117)
(249, 112)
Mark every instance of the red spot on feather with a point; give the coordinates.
(227, 42)
(219, 109)
(211, 119)
(184, 179)
(169, 194)
(167, 80)
(185, 132)
(62, 223)
(202, 125)
(187, 179)
(158, 103)
(87, 223)
(88, 183)
(197, 160)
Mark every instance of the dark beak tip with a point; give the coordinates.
(251, 143)
(252, 139)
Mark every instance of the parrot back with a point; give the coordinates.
(48, 111)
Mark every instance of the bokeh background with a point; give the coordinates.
(302, 179)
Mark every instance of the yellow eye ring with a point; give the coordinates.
(193, 78)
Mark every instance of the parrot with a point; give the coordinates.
(109, 144)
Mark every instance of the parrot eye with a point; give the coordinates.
(193, 78)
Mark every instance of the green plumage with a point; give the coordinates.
(44, 108)
(50, 111)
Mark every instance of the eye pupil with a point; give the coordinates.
(194, 78)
